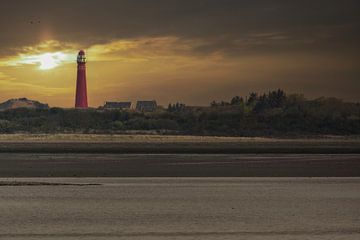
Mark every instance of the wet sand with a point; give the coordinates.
(178, 165)
(144, 144)
(181, 208)
(55, 190)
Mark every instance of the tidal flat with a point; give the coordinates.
(181, 208)
(178, 165)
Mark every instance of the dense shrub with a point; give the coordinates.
(274, 113)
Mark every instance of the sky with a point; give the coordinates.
(190, 51)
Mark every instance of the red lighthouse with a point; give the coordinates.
(81, 91)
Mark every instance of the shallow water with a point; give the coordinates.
(181, 208)
(178, 165)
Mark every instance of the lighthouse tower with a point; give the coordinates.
(81, 91)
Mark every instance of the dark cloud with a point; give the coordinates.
(299, 24)
(278, 30)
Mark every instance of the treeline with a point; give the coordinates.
(270, 114)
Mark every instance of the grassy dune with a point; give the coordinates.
(163, 138)
(118, 138)
(81, 143)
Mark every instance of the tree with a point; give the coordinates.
(214, 104)
(252, 100)
(236, 100)
(177, 107)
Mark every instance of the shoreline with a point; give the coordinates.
(81, 137)
(180, 148)
(168, 144)
(178, 165)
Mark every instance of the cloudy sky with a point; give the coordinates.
(193, 51)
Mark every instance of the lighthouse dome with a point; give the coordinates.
(81, 57)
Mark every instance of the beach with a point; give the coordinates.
(181, 208)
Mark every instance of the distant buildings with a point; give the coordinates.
(146, 106)
(117, 105)
(141, 106)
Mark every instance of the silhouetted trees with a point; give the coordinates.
(237, 101)
(272, 113)
(177, 107)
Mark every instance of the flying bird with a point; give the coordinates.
(34, 22)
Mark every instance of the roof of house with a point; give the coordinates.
(146, 105)
(117, 105)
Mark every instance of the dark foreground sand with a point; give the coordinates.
(182, 208)
(291, 146)
(178, 165)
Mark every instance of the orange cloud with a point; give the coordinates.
(167, 69)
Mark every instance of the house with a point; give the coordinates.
(117, 105)
(146, 106)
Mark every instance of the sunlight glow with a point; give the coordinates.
(49, 60)
(46, 61)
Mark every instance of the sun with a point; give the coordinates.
(47, 61)
(50, 60)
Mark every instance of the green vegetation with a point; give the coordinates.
(271, 114)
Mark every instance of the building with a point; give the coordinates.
(81, 90)
(117, 105)
(146, 106)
